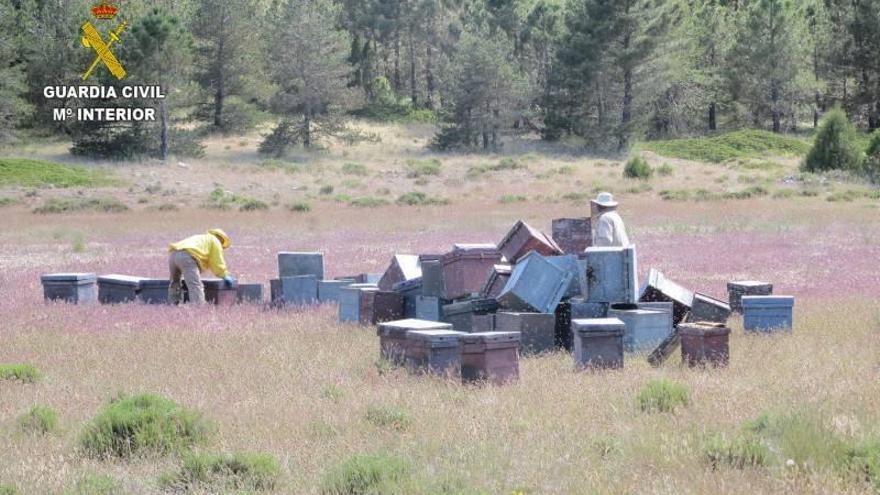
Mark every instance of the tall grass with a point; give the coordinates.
(729, 146)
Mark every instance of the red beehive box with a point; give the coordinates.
(217, 293)
(403, 267)
(498, 278)
(392, 337)
(523, 238)
(388, 306)
(490, 356)
(573, 235)
(704, 343)
(466, 268)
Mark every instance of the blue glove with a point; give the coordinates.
(229, 281)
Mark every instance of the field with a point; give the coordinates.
(306, 390)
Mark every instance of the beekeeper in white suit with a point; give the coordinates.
(608, 228)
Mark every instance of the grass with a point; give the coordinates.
(220, 199)
(662, 396)
(357, 169)
(25, 373)
(143, 424)
(740, 452)
(367, 474)
(388, 417)
(225, 472)
(300, 207)
(6, 201)
(6, 489)
(416, 198)
(40, 173)
(729, 146)
(39, 420)
(95, 484)
(368, 202)
(512, 198)
(81, 204)
(505, 164)
(416, 169)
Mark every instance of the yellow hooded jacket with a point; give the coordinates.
(207, 251)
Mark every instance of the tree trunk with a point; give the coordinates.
(626, 112)
(412, 70)
(163, 112)
(774, 101)
(307, 129)
(397, 79)
(218, 105)
(713, 126)
(429, 75)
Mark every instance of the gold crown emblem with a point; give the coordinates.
(104, 10)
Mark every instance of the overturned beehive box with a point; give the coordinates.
(522, 239)
(535, 285)
(737, 289)
(498, 277)
(572, 235)
(658, 288)
(473, 315)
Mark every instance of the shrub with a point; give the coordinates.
(4, 201)
(751, 192)
(39, 173)
(741, 452)
(250, 204)
(843, 196)
(665, 170)
(662, 396)
(576, 197)
(94, 484)
(39, 420)
(68, 205)
(226, 472)
(507, 163)
(7, 489)
(354, 169)
(220, 199)
(388, 417)
(22, 372)
(326, 189)
(783, 193)
(422, 168)
(368, 202)
(146, 423)
(834, 147)
(871, 166)
(675, 195)
(420, 199)
(365, 474)
(801, 437)
(342, 198)
(512, 198)
(167, 207)
(301, 207)
(638, 168)
(863, 462)
(729, 146)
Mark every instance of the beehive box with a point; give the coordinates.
(490, 357)
(328, 290)
(356, 303)
(659, 307)
(293, 264)
(572, 235)
(707, 308)
(535, 285)
(767, 313)
(218, 294)
(116, 289)
(387, 306)
(392, 337)
(154, 291)
(432, 278)
(522, 239)
(434, 351)
(466, 268)
(581, 309)
(410, 290)
(665, 349)
(498, 277)
(704, 343)
(470, 316)
(562, 335)
(537, 330)
(402, 267)
(598, 342)
(611, 274)
(249, 293)
(645, 328)
(430, 308)
(658, 288)
(76, 288)
(736, 290)
(300, 290)
(569, 263)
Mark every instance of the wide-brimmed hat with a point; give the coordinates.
(605, 199)
(219, 234)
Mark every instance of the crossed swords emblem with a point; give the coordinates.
(92, 39)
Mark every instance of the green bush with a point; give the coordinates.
(22, 372)
(75, 204)
(872, 158)
(416, 198)
(94, 484)
(219, 199)
(300, 207)
(662, 396)
(843, 196)
(675, 195)
(388, 417)
(665, 170)
(367, 474)
(638, 168)
(39, 420)
(355, 169)
(4, 201)
(250, 204)
(512, 198)
(577, 197)
(741, 452)
(225, 472)
(422, 168)
(862, 461)
(140, 424)
(802, 437)
(751, 192)
(783, 193)
(39, 173)
(7, 489)
(368, 202)
(834, 147)
(729, 146)
(325, 190)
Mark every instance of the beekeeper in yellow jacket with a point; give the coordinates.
(192, 256)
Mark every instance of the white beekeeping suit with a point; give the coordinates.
(608, 231)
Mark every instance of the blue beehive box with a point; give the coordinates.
(299, 290)
(611, 274)
(328, 290)
(535, 285)
(581, 309)
(154, 290)
(76, 288)
(249, 293)
(569, 263)
(767, 313)
(296, 264)
(432, 278)
(115, 288)
(355, 305)
(430, 308)
(645, 328)
(409, 289)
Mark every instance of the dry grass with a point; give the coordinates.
(306, 390)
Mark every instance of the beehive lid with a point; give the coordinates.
(491, 337)
(362, 287)
(748, 284)
(69, 277)
(409, 265)
(435, 337)
(117, 279)
(300, 253)
(768, 301)
(598, 325)
(399, 328)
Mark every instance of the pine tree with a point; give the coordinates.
(834, 147)
(14, 109)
